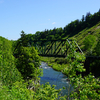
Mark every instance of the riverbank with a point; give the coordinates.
(85, 88)
(55, 78)
(58, 64)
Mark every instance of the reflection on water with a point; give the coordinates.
(56, 78)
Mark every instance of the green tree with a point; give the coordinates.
(8, 71)
(28, 62)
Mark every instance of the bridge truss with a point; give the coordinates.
(53, 48)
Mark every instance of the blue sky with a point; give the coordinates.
(38, 15)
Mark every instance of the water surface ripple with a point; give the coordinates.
(55, 78)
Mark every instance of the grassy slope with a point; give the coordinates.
(59, 63)
(81, 36)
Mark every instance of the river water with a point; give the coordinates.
(55, 78)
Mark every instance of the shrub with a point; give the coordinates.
(85, 87)
(28, 62)
(17, 92)
(46, 92)
(8, 71)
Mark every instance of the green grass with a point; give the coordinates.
(56, 63)
(82, 35)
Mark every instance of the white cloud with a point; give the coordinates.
(54, 23)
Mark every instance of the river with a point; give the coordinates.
(56, 78)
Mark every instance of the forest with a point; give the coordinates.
(68, 31)
(20, 62)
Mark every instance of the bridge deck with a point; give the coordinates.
(88, 57)
(53, 48)
(50, 55)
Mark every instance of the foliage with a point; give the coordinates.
(27, 59)
(95, 63)
(46, 92)
(18, 91)
(75, 61)
(12, 86)
(56, 63)
(80, 28)
(8, 71)
(86, 87)
(28, 62)
(73, 28)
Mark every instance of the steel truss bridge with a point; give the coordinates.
(54, 48)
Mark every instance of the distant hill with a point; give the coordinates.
(86, 31)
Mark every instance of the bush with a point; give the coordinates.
(8, 71)
(85, 87)
(17, 92)
(48, 92)
(28, 62)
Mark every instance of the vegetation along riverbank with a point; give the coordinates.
(20, 62)
(86, 86)
(19, 73)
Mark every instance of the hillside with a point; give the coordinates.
(88, 39)
(86, 31)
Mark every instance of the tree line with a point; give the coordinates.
(69, 30)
